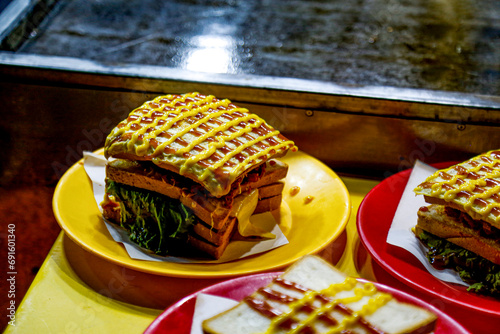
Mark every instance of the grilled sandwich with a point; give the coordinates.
(182, 163)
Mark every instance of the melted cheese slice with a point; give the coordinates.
(252, 226)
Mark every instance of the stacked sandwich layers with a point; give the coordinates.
(202, 155)
(465, 211)
(314, 297)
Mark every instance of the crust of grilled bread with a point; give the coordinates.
(268, 204)
(271, 190)
(134, 174)
(175, 169)
(214, 236)
(211, 233)
(214, 241)
(214, 232)
(471, 213)
(314, 273)
(150, 178)
(211, 210)
(434, 220)
(207, 247)
(202, 237)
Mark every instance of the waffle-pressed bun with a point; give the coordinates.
(472, 186)
(209, 140)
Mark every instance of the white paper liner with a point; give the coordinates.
(207, 306)
(405, 219)
(94, 166)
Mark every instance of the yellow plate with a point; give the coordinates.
(314, 224)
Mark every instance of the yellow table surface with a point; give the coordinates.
(58, 301)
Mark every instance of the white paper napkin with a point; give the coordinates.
(206, 307)
(405, 218)
(94, 166)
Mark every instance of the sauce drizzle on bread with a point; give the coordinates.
(207, 139)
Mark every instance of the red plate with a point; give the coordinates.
(374, 219)
(177, 318)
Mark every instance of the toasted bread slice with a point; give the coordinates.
(216, 225)
(307, 295)
(211, 210)
(215, 236)
(433, 219)
(208, 140)
(271, 190)
(209, 248)
(268, 204)
(212, 241)
(472, 186)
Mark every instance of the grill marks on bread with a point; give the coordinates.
(208, 140)
(472, 186)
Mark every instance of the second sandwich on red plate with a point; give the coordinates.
(314, 297)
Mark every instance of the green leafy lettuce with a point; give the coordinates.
(154, 221)
(482, 275)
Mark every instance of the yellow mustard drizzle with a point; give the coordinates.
(147, 105)
(358, 294)
(187, 129)
(180, 115)
(332, 290)
(487, 194)
(220, 142)
(438, 186)
(370, 307)
(240, 149)
(143, 129)
(261, 154)
(308, 297)
(225, 127)
(368, 289)
(141, 140)
(469, 186)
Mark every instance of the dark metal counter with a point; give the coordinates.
(439, 45)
